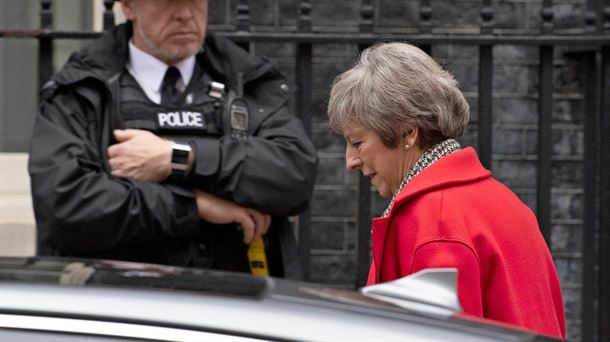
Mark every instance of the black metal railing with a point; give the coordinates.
(594, 57)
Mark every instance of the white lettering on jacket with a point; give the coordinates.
(181, 119)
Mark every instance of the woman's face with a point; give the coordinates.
(384, 166)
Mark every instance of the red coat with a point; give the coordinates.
(453, 214)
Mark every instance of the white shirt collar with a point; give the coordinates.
(149, 71)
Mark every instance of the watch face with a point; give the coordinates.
(180, 156)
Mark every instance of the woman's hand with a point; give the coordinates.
(217, 210)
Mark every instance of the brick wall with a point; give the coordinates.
(514, 126)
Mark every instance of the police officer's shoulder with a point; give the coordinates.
(272, 85)
(83, 90)
(267, 97)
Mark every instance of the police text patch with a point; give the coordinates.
(181, 120)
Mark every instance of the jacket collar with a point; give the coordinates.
(457, 168)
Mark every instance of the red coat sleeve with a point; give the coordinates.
(451, 253)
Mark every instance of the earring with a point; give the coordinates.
(407, 146)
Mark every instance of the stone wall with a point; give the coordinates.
(515, 104)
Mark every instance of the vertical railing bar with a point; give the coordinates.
(304, 67)
(592, 85)
(376, 14)
(228, 13)
(545, 106)
(485, 125)
(243, 16)
(363, 256)
(304, 24)
(591, 16)
(364, 231)
(425, 16)
(425, 24)
(605, 17)
(545, 110)
(604, 184)
(547, 15)
(367, 13)
(591, 171)
(45, 44)
(243, 23)
(108, 14)
(276, 14)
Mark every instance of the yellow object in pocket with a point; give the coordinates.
(257, 258)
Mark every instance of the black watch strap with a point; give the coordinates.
(180, 158)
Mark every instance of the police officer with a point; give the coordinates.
(161, 143)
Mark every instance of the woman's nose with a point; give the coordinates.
(352, 162)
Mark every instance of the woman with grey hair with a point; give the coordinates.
(400, 114)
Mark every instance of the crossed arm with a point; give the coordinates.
(146, 157)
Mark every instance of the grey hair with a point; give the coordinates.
(395, 87)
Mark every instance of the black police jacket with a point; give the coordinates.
(82, 210)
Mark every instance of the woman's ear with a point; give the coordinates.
(411, 137)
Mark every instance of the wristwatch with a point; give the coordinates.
(180, 158)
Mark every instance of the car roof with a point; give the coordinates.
(258, 306)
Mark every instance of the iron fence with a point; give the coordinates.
(594, 56)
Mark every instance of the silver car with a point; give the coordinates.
(54, 299)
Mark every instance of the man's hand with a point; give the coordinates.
(140, 155)
(217, 210)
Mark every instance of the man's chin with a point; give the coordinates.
(176, 54)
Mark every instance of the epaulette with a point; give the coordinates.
(48, 90)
